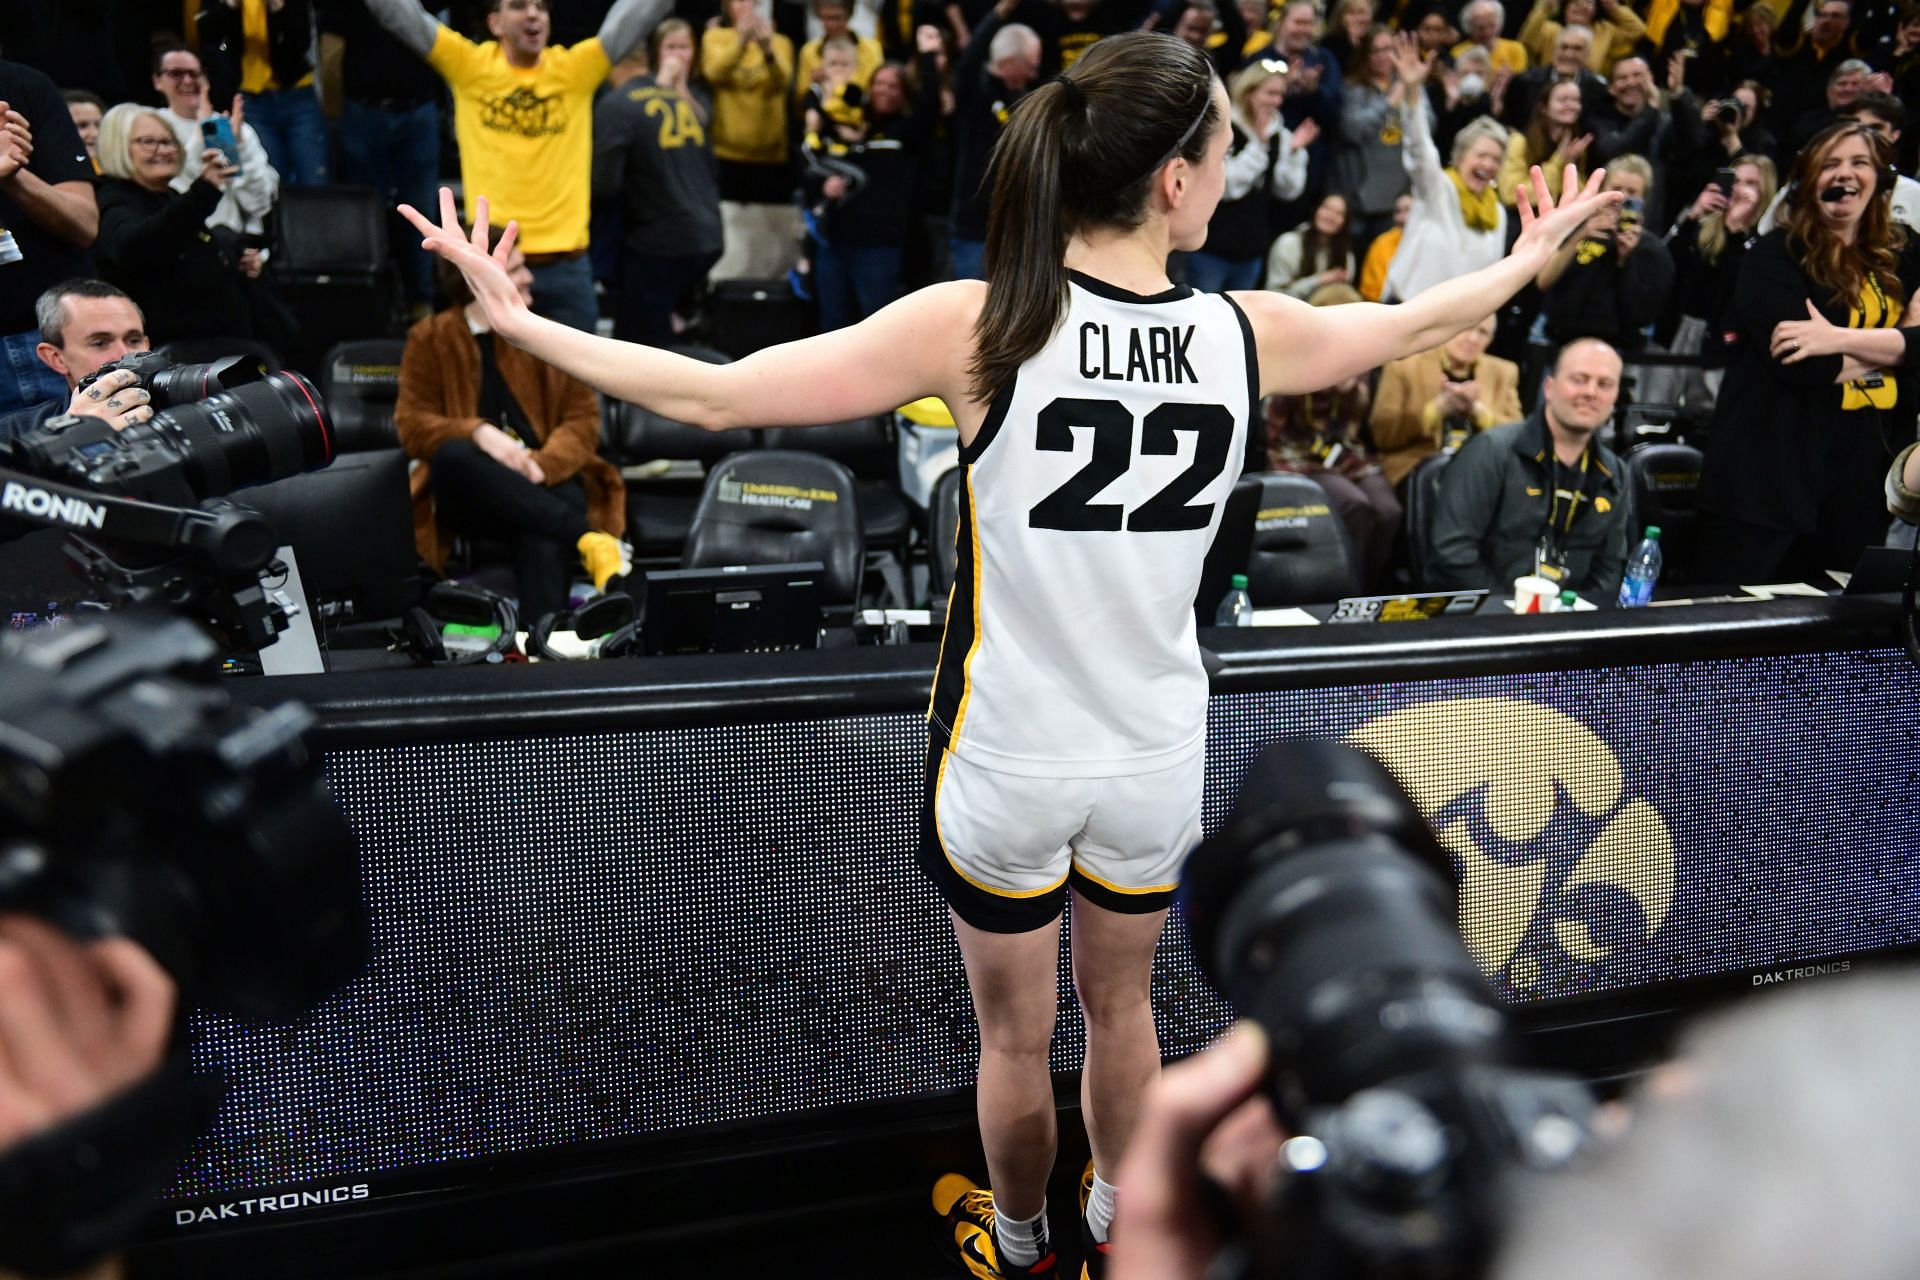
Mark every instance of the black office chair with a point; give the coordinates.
(869, 450)
(778, 506)
(660, 508)
(1302, 553)
(333, 265)
(943, 526)
(1423, 493)
(1664, 480)
(359, 382)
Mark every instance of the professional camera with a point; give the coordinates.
(147, 516)
(1324, 911)
(216, 427)
(137, 800)
(1725, 111)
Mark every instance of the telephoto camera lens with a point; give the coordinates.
(265, 430)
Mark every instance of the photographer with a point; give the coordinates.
(1613, 280)
(79, 1023)
(85, 324)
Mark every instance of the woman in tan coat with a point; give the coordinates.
(508, 450)
(1435, 400)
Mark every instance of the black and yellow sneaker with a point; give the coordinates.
(967, 1211)
(1093, 1253)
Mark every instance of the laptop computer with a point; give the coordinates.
(1415, 606)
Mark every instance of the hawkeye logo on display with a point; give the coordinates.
(32, 501)
(791, 496)
(234, 1210)
(1555, 859)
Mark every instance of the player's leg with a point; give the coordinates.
(1112, 975)
(996, 846)
(1126, 864)
(1012, 979)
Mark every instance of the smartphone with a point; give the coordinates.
(1631, 210)
(1723, 179)
(217, 132)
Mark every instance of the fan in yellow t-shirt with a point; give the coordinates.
(523, 116)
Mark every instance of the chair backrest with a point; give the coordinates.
(203, 350)
(1664, 480)
(1423, 493)
(866, 445)
(1302, 553)
(630, 433)
(943, 526)
(359, 381)
(778, 506)
(330, 231)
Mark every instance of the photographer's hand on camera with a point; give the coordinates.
(1207, 1144)
(79, 1022)
(116, 398)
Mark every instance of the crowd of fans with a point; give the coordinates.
(648, 147)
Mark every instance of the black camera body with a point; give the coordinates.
(216, 427)
(1324, 911)
(138, 800)
(1725, 112)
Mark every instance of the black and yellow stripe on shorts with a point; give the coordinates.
(960, 640)
(1105, 893)
(981, 905)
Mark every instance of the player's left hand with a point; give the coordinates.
(485, 273)
(1544, 224)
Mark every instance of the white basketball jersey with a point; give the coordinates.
(1089, 499)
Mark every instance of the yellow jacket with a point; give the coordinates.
(1513, 169)
(1406, 429)
(749, 96)
(1614, 34)
(866, 61)
(1660, 13)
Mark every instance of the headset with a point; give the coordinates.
(458, 602)
(611, 624)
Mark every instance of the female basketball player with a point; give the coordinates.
(1102, 415)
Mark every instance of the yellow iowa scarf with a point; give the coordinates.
(1482, 211)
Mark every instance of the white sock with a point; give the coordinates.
(1100, 1209)
(1021, 1243)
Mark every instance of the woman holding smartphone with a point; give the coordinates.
(1612, 281)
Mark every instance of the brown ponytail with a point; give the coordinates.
(1081, 150)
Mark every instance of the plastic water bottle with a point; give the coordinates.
(1236, 607)
(1643, 570)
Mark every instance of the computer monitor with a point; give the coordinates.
(753, 608)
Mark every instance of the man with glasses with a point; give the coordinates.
(49, 216)
(1806, 60)
(249, 195)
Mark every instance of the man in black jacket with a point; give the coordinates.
(276, 80)
(1000, 64)
(85, 324)
(1542, 495)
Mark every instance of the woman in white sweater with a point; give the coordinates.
(1317, 252)
(1457, 224)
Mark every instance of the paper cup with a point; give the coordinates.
(1536, 595)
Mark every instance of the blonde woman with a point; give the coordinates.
(1266, 163)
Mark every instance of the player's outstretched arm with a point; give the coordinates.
(1305, 349)
(914, 348)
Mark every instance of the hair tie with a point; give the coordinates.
(1075, 98)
